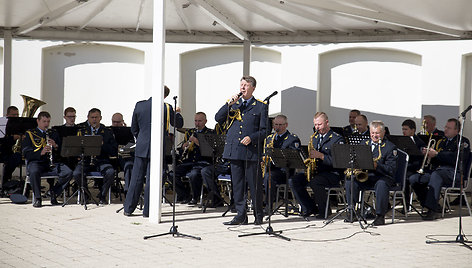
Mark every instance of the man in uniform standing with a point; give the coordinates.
(247, 117)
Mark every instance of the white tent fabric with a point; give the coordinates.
(223, 21)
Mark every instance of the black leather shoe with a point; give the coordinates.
(37, 203)
(431, 215)
(53, 199)
(379, 220)
(192, 202)
(102, 201)
(307, 214)
(236, 221)
(127, 214)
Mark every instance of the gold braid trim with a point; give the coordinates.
(39, 145)
(266, 158)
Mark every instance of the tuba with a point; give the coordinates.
(31, 106)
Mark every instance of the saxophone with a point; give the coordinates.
(359, 174)
(266, 158)
(310, 163)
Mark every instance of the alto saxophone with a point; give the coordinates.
(310, 163)
(266, 158)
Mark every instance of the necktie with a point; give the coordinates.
(375, 150)
(320, 142)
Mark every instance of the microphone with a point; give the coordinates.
(237, 97)
(466, 111)
(175, 97)
(271, 95)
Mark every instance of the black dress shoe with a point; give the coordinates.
(192, 202)
(53, 199)
(379, 220)
(102, 201)
(37, 203)
(307, 214)
(431, 215)
(236, 221)
(127, 214)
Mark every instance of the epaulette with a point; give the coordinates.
(336, 134)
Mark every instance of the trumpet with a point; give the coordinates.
(426, 159)
(51, 160)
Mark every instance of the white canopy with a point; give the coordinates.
(224, 21)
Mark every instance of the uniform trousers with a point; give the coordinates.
(105, 169)
(141, 169)
(37, 168)
(245, 173)
(381, 186)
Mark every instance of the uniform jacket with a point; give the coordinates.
(326, 147)
(252, 122)
(109, 145)
(387, 164)
(193, 154)
(34, 143)
(447, 152)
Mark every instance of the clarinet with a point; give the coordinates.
(51, 160)
(92, 158)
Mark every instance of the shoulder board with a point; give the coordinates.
(294, 135)
(336, 134)
(259, 101)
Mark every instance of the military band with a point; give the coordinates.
(243, 119)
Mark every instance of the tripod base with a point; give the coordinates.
(268, 231)
(174, 232)
(82, 190)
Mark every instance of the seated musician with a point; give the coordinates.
(281, 138)
(210, 175)
(69, 116)
(324, 175)
(414, 162)
(381, 178)
(192, 162)
(351, 128)
(362, 125)
(429, 126)
(125, 163)
(10, 159)
(443, 157)
(38, 146)
(100, 163)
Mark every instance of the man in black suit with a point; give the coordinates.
(281, 138)
(443, 157)
(100, 163)
(141, 129)
(38, 146)
(381, 178)
(321, 144)
(351, 128)
(247, 117)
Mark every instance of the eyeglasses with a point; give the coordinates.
(71, 116)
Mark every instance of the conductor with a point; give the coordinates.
(247, 119)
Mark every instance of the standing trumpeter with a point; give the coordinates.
(38, 147)
(100, 163)
(384, 154)
(323, 175)
(247, 119)
(443, 157)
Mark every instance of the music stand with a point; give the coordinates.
(353, 157)
(288, 159)
(212, 146)
(81, 146)
(123, 135)
(65, 131)
(406, 144)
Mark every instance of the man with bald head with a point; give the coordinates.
(117, 120)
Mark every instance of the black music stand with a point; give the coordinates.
(212, 146)
(288, 159)
(173, 229)
(406, 144)
(66, 131)
(123, 135)
(19, 126)
(282, 158)
(81, 146)
(353, 157)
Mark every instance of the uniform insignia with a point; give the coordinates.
(466, 145)
(395, 152)
(297, 145)
(341, 142)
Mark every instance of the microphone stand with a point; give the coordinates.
(173, 230)
(269, 230)
(460, 238)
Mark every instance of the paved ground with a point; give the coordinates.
(73, 237)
